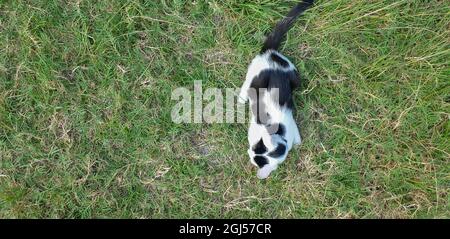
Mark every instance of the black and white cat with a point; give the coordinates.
(269, 83)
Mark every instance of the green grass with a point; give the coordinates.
(86, 132)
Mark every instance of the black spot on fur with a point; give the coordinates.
(268, 81)
(284, 81)
(280, 61)
(279, 151)
(260, 161)
(259, 148)
(279, 129)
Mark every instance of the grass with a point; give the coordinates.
(86, 132)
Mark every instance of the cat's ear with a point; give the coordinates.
(294, 79)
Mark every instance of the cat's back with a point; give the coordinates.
(270, 60)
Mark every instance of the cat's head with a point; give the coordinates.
(266, 155)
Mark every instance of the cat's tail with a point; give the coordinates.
(275, 38)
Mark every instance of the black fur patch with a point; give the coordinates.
(259, 148)
(283, 81)
(279, 129)
(280, 61)
(278, 152)
(260, 161)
